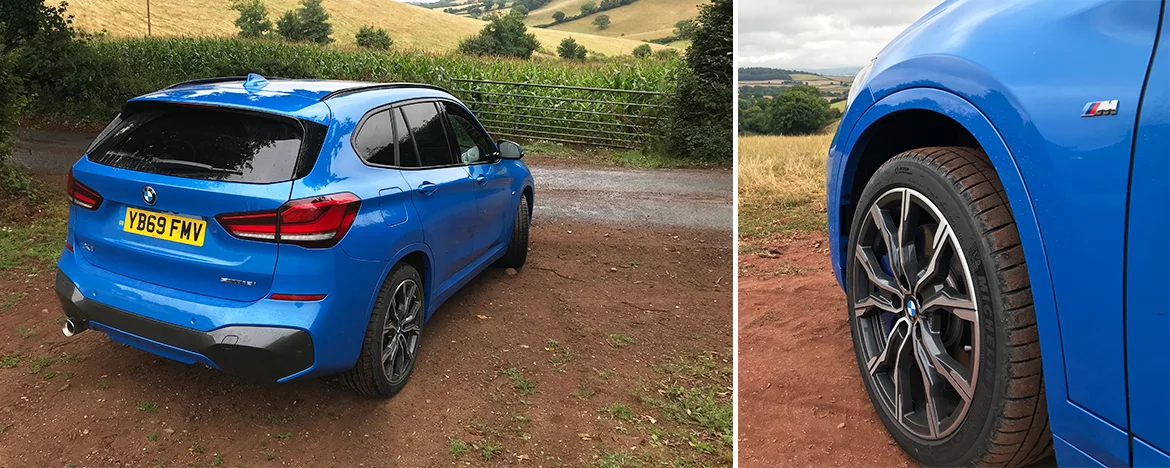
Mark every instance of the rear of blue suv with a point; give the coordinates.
(285, 229)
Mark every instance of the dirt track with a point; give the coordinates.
(612, 313)
(801, 399)
(668, 290)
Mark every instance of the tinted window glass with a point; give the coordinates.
(474, 145)
(375, 141)
(407, 155)
(429, 136)
(199, 143)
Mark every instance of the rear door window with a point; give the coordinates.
(426, 126)
(205, 143)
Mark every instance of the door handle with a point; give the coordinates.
(427, 188)
(481, 179)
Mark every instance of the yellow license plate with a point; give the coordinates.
(165, 226)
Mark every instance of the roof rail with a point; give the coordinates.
(373, 87)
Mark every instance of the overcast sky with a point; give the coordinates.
(808, 34)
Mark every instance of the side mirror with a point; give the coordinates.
(510, 150)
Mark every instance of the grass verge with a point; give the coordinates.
(782, 184)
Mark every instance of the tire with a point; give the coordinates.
(966, 308)
(394, 321)
(517, 252)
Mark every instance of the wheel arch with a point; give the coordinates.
(417, 255)
(868, 145)
(528, 194)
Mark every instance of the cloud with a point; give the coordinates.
(805, 34)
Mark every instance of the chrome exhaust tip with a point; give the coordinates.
(72, 326)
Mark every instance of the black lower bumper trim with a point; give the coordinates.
(263, 353)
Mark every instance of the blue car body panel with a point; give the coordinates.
(1017, 76)
(391, 225)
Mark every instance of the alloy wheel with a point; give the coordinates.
(916, 313)
(401, 331)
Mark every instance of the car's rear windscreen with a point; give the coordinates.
(208, 143)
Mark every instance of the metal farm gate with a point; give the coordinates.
(567, 114)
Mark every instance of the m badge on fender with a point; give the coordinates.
(1099, 108)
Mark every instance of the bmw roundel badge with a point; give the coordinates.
(148, 195)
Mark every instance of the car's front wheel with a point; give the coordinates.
(940, 309)
(393, 336)
(517, 252)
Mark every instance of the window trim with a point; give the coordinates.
(397, 153)
(454, 140)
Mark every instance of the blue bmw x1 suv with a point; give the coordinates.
(288, 228)
(999, 217)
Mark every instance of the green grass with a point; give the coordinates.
(618, 340)
(562, 355)
(10, 300)
(584, 390)
(10, 360)
(284, 436)
(619, 411)
(619, 460)
(523, 385)
(489, 447)
(34, 247)
(153, 436)
(458, 447)
(695, 391)
(148, 406)
(217, 459)
(26, 332)
(41, 363)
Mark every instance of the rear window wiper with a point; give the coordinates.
(181, 164)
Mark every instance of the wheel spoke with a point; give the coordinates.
(390, 349)
(907, 228)
(879, 278)
(943, 298)
(903, 400)
(942, 362)
(894, 347)
(866, 306)
(886, 227)
(942, 234)
(409, 328)
(931, 381)
(413, 313)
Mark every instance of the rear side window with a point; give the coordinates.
(407, 155)
(206, 143)
(426, 126)
(374, 142)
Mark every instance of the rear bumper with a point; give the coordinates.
(256, 352)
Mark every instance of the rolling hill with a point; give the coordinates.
(412, 27)
(642, 20)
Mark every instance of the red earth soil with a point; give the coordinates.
(99, 403)
(801, 399)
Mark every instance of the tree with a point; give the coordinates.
(559, 16)
(610, 4)
(685, 29)
(504, 36)
(642, 51)
(520, 9)
(253, 20)
(799, 110)
(701, 116)
(588, 8)
(309, 23)
(666, 54)
(570, 49)
(601, 21)
(370, 38)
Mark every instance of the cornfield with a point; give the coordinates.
(149, 64)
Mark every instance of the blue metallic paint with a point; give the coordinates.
(387, 229)
(1066, 178)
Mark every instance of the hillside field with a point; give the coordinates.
(411, 27)
(642, 20)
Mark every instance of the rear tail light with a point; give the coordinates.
(81, 195)
(308, 222)
(296, 297)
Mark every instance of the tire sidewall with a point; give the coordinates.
(972, 438)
